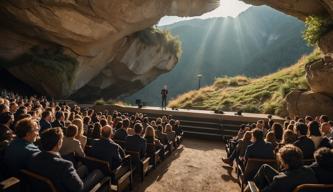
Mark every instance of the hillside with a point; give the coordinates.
(258, 42)
(264, 95)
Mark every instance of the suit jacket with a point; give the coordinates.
(324, 175)
(120, 134)
(136, 143)
(17, 155)
(57, 123)
(44, 125)
(107, 150)
(71, 145)
(288, 180)
(306, 145)
(60, 171)
(260, 149)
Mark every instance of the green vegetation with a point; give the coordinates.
(155, 36)
(262, 95)
(316, 27)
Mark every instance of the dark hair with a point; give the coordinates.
(159, 127)
(126, 123)
(86, 120)
(59, 114)
(23, 127)
(309, 118)
(324, 118)
(301, 128)
(258, 134)
(50, 138)
(278, 131)
(71, 130)
(119, 125)
(314, 128)
(291, 155)
(103, 122)
(138, 128)
(2, 107)
(5, 117)
(271, 123)
(46, 114)
(324, 157)
(96, 133)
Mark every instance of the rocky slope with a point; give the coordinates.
(87, 49)
(319, 73)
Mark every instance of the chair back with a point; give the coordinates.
(93, 163)
(314, 188)
(35, 182)
(253, 164)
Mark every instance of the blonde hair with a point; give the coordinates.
(247, 136)
(79, 124)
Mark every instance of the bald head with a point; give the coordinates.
(106, 131)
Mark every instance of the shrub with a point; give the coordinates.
(250, 108)
(316, 27)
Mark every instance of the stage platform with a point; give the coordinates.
(198, 123)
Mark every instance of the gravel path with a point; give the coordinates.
(196, 167)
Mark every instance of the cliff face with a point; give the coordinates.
(319, 73)
(86, 48)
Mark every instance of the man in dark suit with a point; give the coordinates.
(303, 142)
(323, 167)
(260, 148)
(61, 172)
(106, 149)
(59, 121)
(21, 149)
(45, 122)
(136, 142)
(294, 173)
(121, 133)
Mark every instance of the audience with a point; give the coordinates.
(79, 136)
(259, 148)
(136, 142)
(323, 166)
(70, 143)
(45, 122)
(314, 133)
(303, 142)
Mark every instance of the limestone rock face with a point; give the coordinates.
(302, 103)
(319, 76)
(78, 43)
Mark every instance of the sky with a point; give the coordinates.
(227, 8)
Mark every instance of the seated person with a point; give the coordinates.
(21, 149)
(45, 122)
(239, 152)
(171, 134)
(323, 167)
(160, 135)
(303, 142)
(294, 173)
(59, 120)
(70, 144)
(178, 128)
(6, 121)
(259, 148)
(136, 142)
(61, 172)
(106, 149)
(121, 133)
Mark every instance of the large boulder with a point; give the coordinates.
(61, 46)
(301, 103)
(319, 76)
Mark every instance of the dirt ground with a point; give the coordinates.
(195, 167)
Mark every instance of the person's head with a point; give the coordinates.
(291, 127)
(79, 124)
(106, 132)
(168, 128)
(46, 115)
(96, 133)
(51, 139)
(314, 128)
(308, 119)
(150, 132)
(71, 131)
(13, 107)
(324, 157)
(285, 125)
(119, 125)
(301, 129)
(289, 137)
(270, 137)
(260, 124)
(103, 122)
(4, 108)
(27, 129)
(325, 128)
(60, 116)
(323, 118)
(247, 136)
(159, 128)
(138, 128)
(86, 120)
(257, 134)
(278, 131)
(271, 123)
(126, 123)
(6, 119)
(290, 157)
